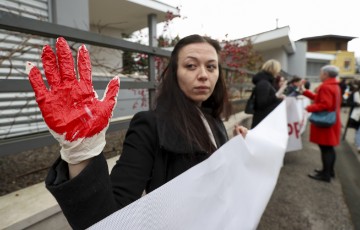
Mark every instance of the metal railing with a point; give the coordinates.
(12, 22)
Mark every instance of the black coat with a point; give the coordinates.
(265, 96)
(153, 154)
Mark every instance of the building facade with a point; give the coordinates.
(306, 56)
(277, 44)
(330, 49)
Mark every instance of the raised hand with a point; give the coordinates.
(70, 107)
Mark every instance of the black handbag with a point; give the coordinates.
(250, 104)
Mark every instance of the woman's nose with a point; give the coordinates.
(203, 74)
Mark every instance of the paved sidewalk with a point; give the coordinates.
(350, 133)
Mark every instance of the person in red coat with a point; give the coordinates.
(326, 98)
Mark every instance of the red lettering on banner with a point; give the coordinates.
(294, 128)
(290, 129)
(297, 129)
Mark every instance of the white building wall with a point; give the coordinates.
(277, 54)
(109, 60)
(71, 13)
(19, 112)
(297, 61)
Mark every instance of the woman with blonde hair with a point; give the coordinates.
(266, 96)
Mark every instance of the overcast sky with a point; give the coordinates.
(237, 19)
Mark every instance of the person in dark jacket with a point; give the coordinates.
(307, 84)
(293, 88)
(266, 96)
(184, 129)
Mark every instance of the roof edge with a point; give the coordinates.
(348, 38)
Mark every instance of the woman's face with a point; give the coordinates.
(323, 76)
(197, 71)
(297, 83)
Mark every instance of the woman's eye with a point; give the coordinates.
(190, 66)
(211, 67)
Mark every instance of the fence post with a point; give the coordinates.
(151, 60)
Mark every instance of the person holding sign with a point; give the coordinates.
(292, 89)
(266, 96)
(184, 129)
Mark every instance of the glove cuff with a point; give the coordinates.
(82, 149)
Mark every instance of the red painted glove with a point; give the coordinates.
(70, 108)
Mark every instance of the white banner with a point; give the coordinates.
(302, 102)
(294, 124)
(297, 120)
(230, 190)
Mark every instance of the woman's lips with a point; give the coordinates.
(202, 89)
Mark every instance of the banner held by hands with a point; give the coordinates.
(230, 190)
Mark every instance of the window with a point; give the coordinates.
(347, 65)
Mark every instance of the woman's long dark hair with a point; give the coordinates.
(184, 112)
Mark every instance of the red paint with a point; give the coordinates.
(70, 106)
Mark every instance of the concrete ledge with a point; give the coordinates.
(26, 207)
(34, 208)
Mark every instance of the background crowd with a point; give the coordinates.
(270, 89)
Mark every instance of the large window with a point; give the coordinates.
(313, 68)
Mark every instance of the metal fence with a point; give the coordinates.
(22, 111)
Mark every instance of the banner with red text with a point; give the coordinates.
(296, 121)
(302, 102)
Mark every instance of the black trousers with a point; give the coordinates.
(328, 158)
